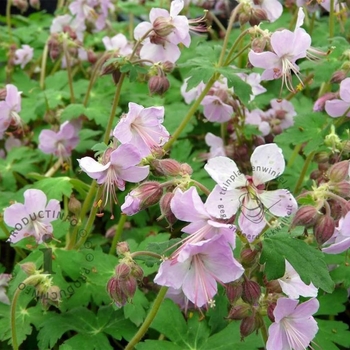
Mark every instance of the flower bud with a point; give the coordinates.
(306, 216)
(29, 268)
(270, 310)
(339, 171)
(168, 67)
(321, 101)
(166, 167)
(338, 76)
(122, 271)
(342, 189)
(22, 5)
(272, 286)
(186, 169)
(53, 293)
(259, 44)
(257, 16)
(249, 325)
(234, 292)
(74, 205)
(91, 57)
(137, 272)
(248, 257)
(165, 208)
(113, 289)
(162, 26)
(122, 248)
(324, 229)
(251, 292)
(35, 4)
(158, 85)
(321, 157)
(239, 312)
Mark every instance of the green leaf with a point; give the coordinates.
(72, 111)
(306, 260)
(56, 187)
(332, 304)
(135, 311)
(331, 333)
(89, 342)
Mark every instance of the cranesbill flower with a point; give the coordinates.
(142, 127)
(10, 108)
(24, 55)
(33, 218)
(60, 24)
(340, 241)
(340, 107)
(254, 80)
(287, 48)
(293, 286)
(272, 8)
(238, 191)
(294, 327)
(117, 43)
(216, 145)
(60, 143)
(118, 166)
(197, 269)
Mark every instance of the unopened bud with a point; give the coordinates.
(324, 229)
(74, 205)
(270, 310)
(248, 257)
(251, 292)
(321, 157)
(272, 286)
(35, 4)
(186, 169)
(243, 18)
(234, 292)
(54, 53)
(165, 208)
(339, 171)
(257, 16)
(305, 216)
(162, 26)
(53, 293)
(249, 325)
(137, 272)
(239, 312)
(122, 248)
(166, 167)
(168, 66)
(320, 102)
(259, 44)
(342, 189)
(113, 289)
(29, 268)
(338, 76)
(22, 5)
(158, 85)
(91, 57)
(122, 271)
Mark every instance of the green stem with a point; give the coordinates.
(145, 253)
(303, 172)
(150, 317)
(238, 54)
(263, 331)
(331, 19)
(201, 187)
(69, 71)
(43, 66)
(190, 113)
(118, 233)
(8, 18)
(312, 23)
(54, 168)
(228, 32)
(292, 158)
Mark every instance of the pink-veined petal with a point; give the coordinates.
(279, 202)
(134, 173)
(344, 91)
(337, 108)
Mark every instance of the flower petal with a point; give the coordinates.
(279, 202)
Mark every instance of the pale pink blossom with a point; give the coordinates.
(216, 145)
(215, 110)
(272, 8)
(198, 267)
(33, 218)
(192, 94)
(254, 80)
(235, 190)
(339, 107)
(4, 279)
(23, 55)
(293, 286)
(142, 127)
(340, 241)
(294, 327)
(118, 43)
(60, 23)
(256, 117)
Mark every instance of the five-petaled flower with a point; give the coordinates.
(340, 107)
(33, 218)
(235, 190)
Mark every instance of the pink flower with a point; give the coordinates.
(192, 94)
(4, 279)
(237, 191)
(60, 23)
(340, 107)
(118, 166)
(340, 241)
(253, 79)
(9, 108)
(287, 47)
(272, 8)
(256, 117)
(216, 145)
(24, 55)
(294, 327)
(198, 267)
(33, 218)
(142, 127)
(60, 143)
(215, 110)
(117, 43)
(293, 286)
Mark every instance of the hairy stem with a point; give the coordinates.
(43, 65)
(150, 317)
(69, 71)
(303, 172)
(118, 233)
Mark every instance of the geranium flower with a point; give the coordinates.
(142, 127)
(33, 218)
(216, 145)
(237, 191)
(293, 286)
(10, 108)
(272, 8)
(23, 55)
(294, 327)
(4, 278)
(340, 107)
(340, 241)
(60, 143)
(118, 167)
(198, 267)
(117, 43)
